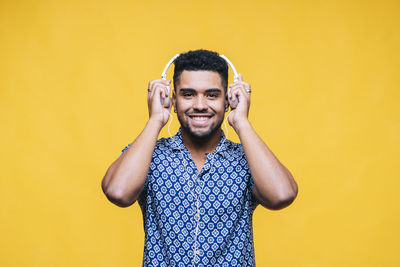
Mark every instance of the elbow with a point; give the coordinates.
(117, 196)
(119, 199)
(280, 203)
(283, 200)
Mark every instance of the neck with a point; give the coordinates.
(201, 145)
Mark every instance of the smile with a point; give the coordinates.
(200, 118)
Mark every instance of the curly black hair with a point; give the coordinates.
(201, 60)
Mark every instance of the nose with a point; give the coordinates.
(200, 103)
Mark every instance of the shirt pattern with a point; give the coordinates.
(196, 218)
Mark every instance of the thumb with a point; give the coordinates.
(240, 78)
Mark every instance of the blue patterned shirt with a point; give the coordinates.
(196, 218)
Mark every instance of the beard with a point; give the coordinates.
(204, 134)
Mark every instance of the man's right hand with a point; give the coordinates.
(158, 89)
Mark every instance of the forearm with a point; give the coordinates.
(274, 184)
(125, 178)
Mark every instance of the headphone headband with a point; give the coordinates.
(164, 73)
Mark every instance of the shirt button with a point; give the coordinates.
(197, 251)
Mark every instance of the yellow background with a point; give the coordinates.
(325, 80)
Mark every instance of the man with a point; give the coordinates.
(197, 190)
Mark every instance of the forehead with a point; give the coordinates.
(200, 79)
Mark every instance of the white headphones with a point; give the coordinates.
(166, 101)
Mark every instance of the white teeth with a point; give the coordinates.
(200, 118)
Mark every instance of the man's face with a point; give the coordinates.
(200, 102)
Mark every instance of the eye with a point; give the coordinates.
(187, 94)
(212, 95)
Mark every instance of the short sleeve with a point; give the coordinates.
(253, 200)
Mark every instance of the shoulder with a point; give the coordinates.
(163, 144)
(234, 152)
(235, 149)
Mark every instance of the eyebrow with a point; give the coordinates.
(211, 90)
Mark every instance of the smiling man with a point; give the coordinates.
(198, 190)
(201, 111)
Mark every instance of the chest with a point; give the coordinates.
(199, 161)
(220, 188)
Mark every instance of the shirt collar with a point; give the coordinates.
(176, 144)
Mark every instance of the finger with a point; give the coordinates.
(155, 95)
(162, 81)
(235, 90)
(154, 82)
(234, 95)
(245, 87)
(161, 89)
(240, 78)
(163, 92)
(239, 93)
(239, 83)
(158, 81)
(233, 85)
(151, 88)
(236, 87)
(167, 82)
(155, 89)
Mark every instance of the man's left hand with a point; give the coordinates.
(240, 91)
